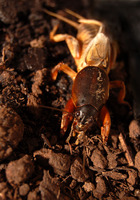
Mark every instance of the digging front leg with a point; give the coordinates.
(67, 116)
(105, 120)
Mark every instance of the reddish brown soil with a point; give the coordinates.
(35, 160)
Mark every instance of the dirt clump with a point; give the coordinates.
(20, 170)
(11, 131)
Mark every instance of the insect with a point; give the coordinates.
(95, 55)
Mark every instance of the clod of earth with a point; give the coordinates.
(101, 188)
(112, 160)
(49, 187)
(134, 129)
(9, 12)
(88, 187)
(20, 170)
(78, 172)
(24, 189)
(58, 161)
(133, 177)
(11, 131)
(34, 194)
(35, 58)
(98, 159)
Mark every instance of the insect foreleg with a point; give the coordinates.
(67, 116)
(106, 123)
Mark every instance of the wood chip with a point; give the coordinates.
(114, 175)
(127, 150)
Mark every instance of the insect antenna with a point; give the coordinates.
(68, 21)
(52, 108)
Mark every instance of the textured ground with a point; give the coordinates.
(35, 161)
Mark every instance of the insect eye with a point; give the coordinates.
(78, 113)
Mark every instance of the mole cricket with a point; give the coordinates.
(95, 55)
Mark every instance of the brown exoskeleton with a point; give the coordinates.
(94, 54)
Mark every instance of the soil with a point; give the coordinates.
(36, 162)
